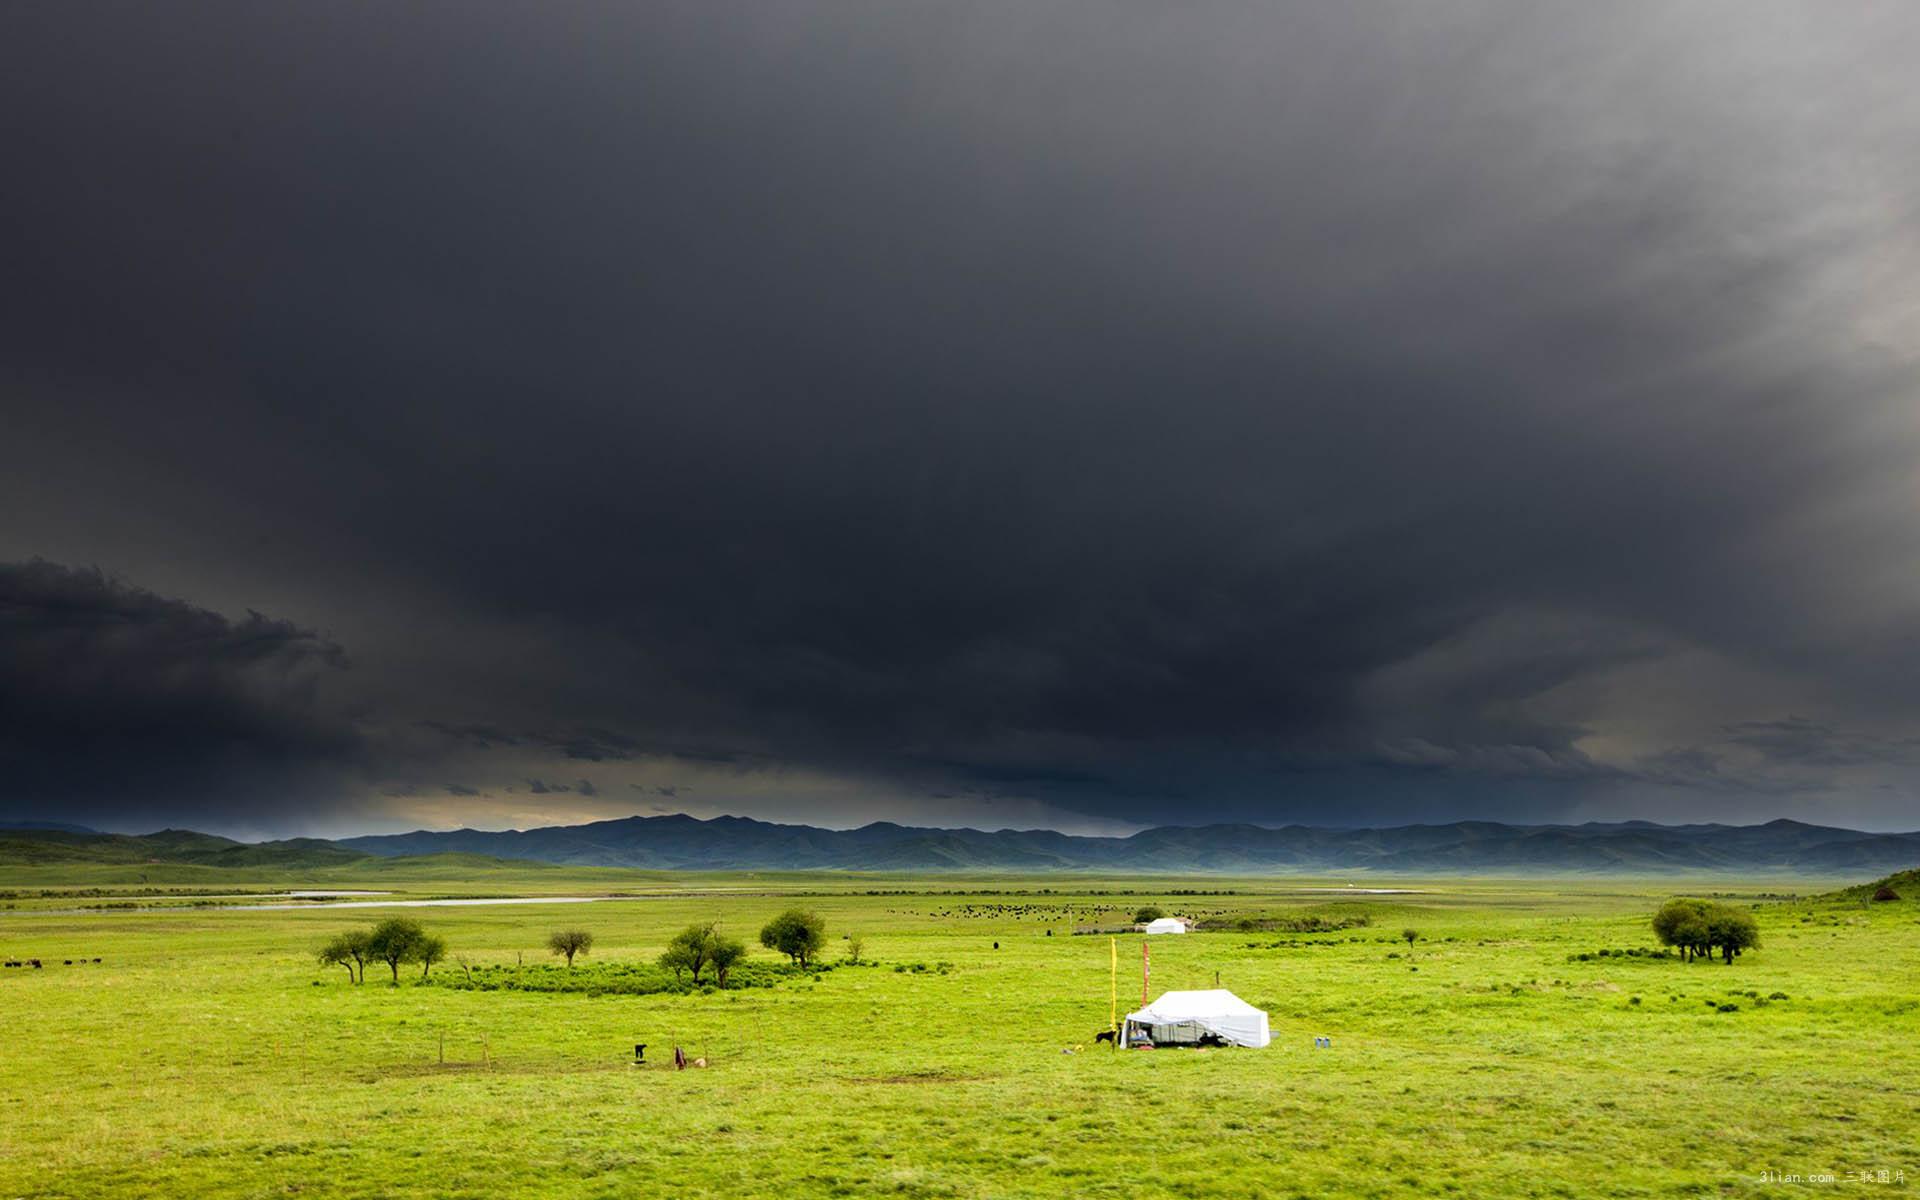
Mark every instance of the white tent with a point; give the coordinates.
(1167, 925)
(1178, 1018)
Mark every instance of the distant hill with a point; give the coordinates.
(183, 856)
(739, 843)
(50, 846)
(1467, 847)
(59, 826)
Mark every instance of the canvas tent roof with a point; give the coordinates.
(1167, 925)
(1215, 1010)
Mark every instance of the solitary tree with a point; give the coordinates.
(1412, 935)
(796, 934)
(1147, 914)
(347, 950)
(394, 941)
(855, 944)
(570, 942)
(429, 950)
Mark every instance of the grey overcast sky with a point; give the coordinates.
(1027, 414)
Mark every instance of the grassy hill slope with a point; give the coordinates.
(1905, 884)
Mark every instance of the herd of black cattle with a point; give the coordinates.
(36, 964)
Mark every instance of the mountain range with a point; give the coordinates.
(738, 843)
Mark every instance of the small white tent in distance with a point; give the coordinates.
(1166, 925)
(1188, 1018)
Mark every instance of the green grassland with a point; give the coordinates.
(208, 1055)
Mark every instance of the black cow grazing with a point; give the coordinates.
(35, 962)
(1109, 1036)
(639, 1052)
(67, 962)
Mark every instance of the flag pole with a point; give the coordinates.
(1113, 984)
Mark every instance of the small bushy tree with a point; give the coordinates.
(698, 947)
(429, 950)
(722, 953)
(1412, 935)
(397, 940)
(347, 950)
(1148, 913)
(1699, 927)
(795, 933)
(855, 945)
(1731, 930)
(689, 950)
(570, 942)
(1682, 923)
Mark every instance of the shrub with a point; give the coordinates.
(619, 979)
(1885, 894)
(1308, 923)
(1147, 913)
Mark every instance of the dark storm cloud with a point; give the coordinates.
(1288, 412)
(479, 737)
(120, 702)
(593, 745)
(1809, 743)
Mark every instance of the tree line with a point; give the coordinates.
(796, 933)
(698, 949)
(393, 941)
(1700, 927)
